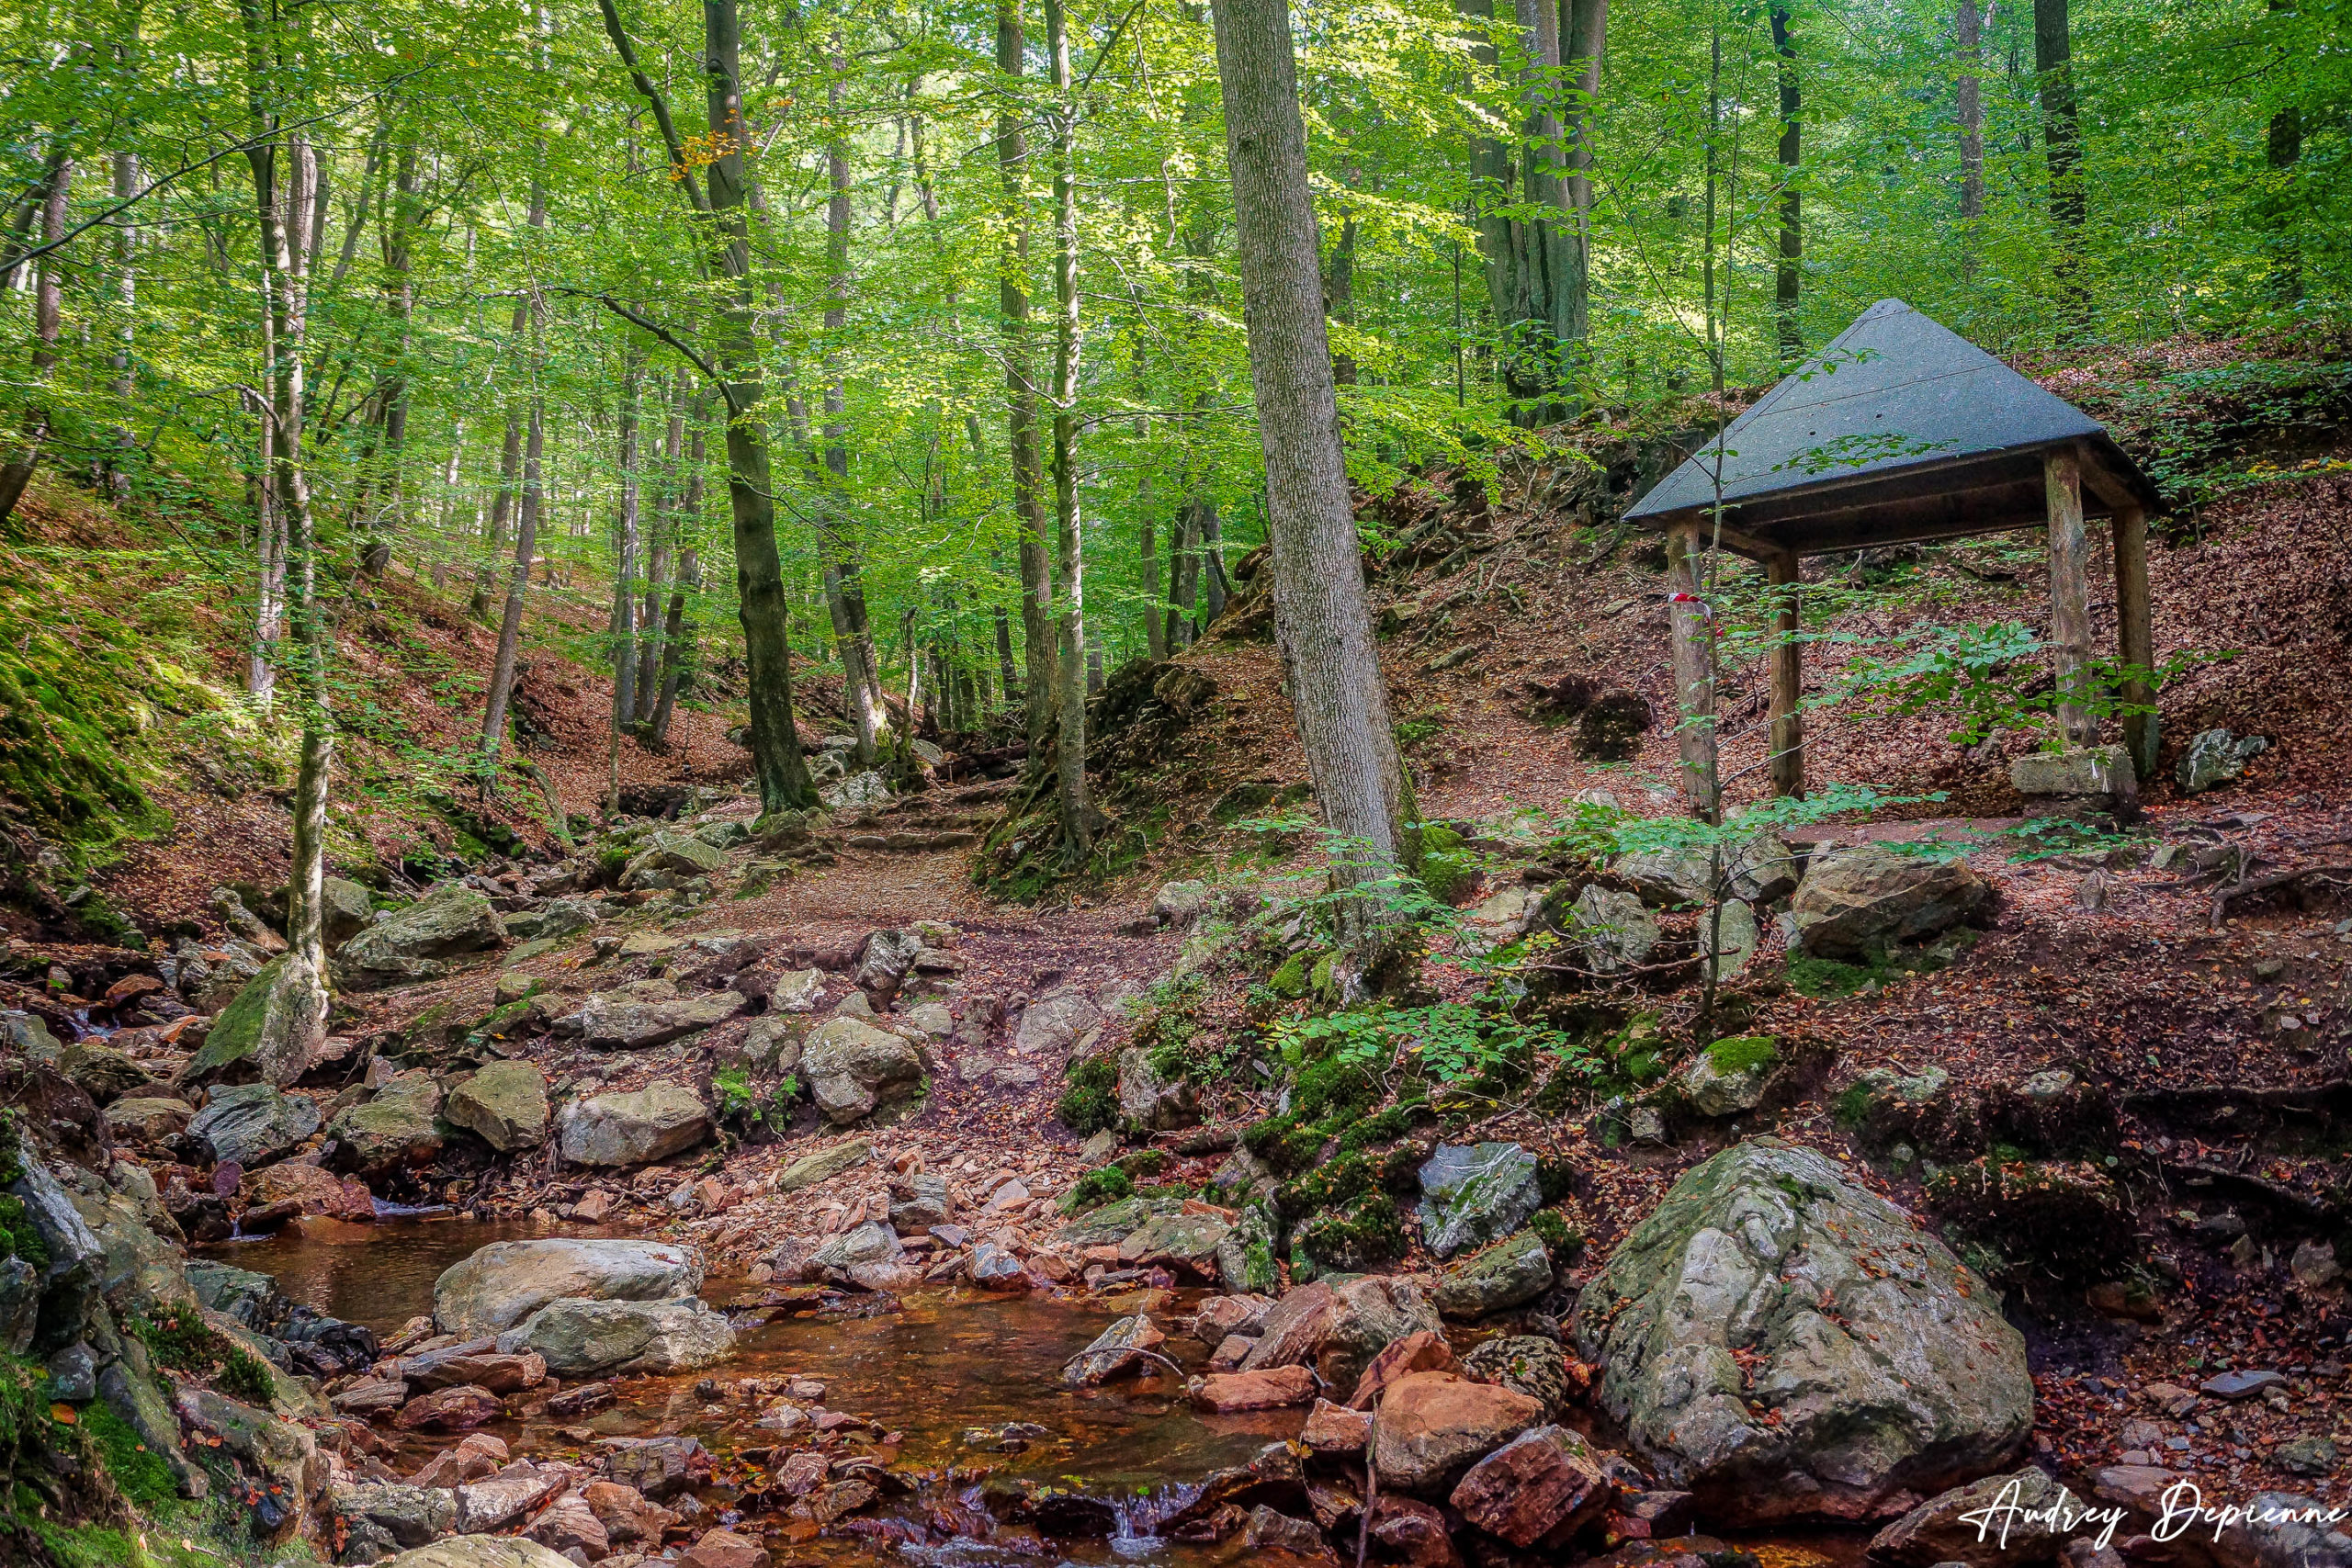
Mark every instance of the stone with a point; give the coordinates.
(656, 1467)
(797, 991)
(1510, 1273)
(1736, 937)
(579, 1337)
(2314, 1264)
(1414, 1532)
(884, 961)
(2311, 1455)
(1424, 1350)
(410, 1515)
(457, 1408)
(415, 942)
(1150, 1103)
(1939, 1529)
(272, 1030)
(1757, 869)
(919, 1202)
(312, 1190)
(628, 1514)
(1472, 1194)
(103, 1073)
(823, 1165)
(1272, 1389)
(652, 1123)
(993, 1269)
(480, 1551)
(678, 854)
(505, 1105)
(1541, 1483)
(1336, 1430)
(1527, 1364)
(569, 1525)
(614, 1021)
(2241, 1384)
(1216, 1316)
(872, 1241)
(504, 1282)
(1730, 1076)
(1113, 1223)
(853, 1069)
(1185, 1240)
(251, 1124)
(1270, 1532)
(497, 1502)
(724, 1549)
(1056, 1021)
(2080, 778)
(1431, 1427)
(1890, 1374)
(559, 918)
(2214, 757)
(1115, 1353)
(1861, 897)
(394, 1131)
(1179, 905)
(1337, 1327)
(345, 909)
(144, 1119)
(1614, 930)
(477, 1362)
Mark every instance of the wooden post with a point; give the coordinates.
(2135, 638)
(1787, 729)
(2069, 609)
(1694, 679)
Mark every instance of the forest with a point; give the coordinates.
(862, 781)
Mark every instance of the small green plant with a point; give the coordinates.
(19, 1237)
(178, 1340)
(139, 1472)
(744, 1107)
(1090, 1103)
(1744, 1052)
(1559, 1237)
(1097, 1188)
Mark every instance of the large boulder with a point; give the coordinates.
(1056, 1021)
(271, 1033)
(1528, 1364)
(578, 1337)
(105, 1074)
(1431, 1427)
(505, 1105)
(1614, 930)
(281, 1457)
(632, 1128)
(675, 854)
(1510, 1273)
(1951, 1528)
(394, 1131)
(1151, 1101)
(479, 1551)
(854, 1069)
(1543, 1484)
(252, 1123)
(614, 1021)
(506, 1281)
(148, 1121)
(559, 918)
(1474, 1193)
(1337, 1327)
(410, 1516)
(1757, 869)
(1886, 1374)
(1868, 896)
(344, 908)
(413, 943)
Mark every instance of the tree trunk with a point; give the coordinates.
(529, 314)
(1587, 42)
(48, 315)
(1069, 539)
(1021, 387)
(677, 650)
(1322, 616)
(1786, 281)
(776, 760)
(1340, 296)
(126, 295)
(2061, 142)
(625, 541)
(1969, 102)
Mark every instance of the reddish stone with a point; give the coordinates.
(725, 1549)
(1423, 1351)
(1335, 1430)
(1542, 1484)
(568, 1523)
(1432, 1426)
(802, 1474)
(626, 1513)
(1270, 1531)
(371, 1396)
(498, 1375)
(1415, 1532)
(1269, 1390)
(450, 1410)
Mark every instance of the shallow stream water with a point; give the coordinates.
(943, 1363)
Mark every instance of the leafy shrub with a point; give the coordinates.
(177, 1338)
(1369, 1231)
(19, 1237)
(1559, 1238)
(1097, 1188)
(1090, 1103)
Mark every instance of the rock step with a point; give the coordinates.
(910, 844)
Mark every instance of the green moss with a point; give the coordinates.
(140, 1473)
(1559, 1238)
(1827, 978)
(501, 1021)
(1289, 978)
(1090, 1103)
(1283, 1143)
(1744, 1052)
(177, 1338)
(1852, 1109)
(1334, 1086)
(1367, 1232)
(19, 1237)
(1387, 1125)
(1096, 1188)
(1142, 1163)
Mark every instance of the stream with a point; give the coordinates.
(943, 1364)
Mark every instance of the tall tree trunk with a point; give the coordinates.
(782, 771)
(677, 650)
(1587, 42)
(1340, 296)
(1069, 539)
(126, 298)
(2283, 149)
(1786, 282)
(510, 463)
(664, 543)
(49, 316)
(1209, 559)
(1185, 571)
(1322, 616)
(1021, 385)
(528, 319)
(399, 299)
(2061, 142)
(1969, 103)
(861, 663)
(625, 543)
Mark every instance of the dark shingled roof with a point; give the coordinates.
(1898, 429)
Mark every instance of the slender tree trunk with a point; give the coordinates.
(677, 650)
(663, 544)
(529, 316)
(1209, 559)
(1786, 281)
(1587, 42)
(126, 298)
(1321, 616)
(1969, 102)
(860, 663)
(1069, 539)
(2283, 149)
(1021, 385)
(2061, 142)
(1340, 296)
(625, 543)
(49, 316)
(1184, 571)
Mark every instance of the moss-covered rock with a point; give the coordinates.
(271, 1033)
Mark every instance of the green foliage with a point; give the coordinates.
(745, 1106)
(1350, 1176)
(140, 1473)
(1387, 1125)
(180, 1340)
(1368, 1231)
(1828, 978)
(1090, 1103)
(1283, 1143)
(19, 1237)
(1554, 1179)
(1559, 1238)
(1097, 1188)
(1744, 1052)
(1988, 676)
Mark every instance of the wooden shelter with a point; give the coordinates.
(1900, 431)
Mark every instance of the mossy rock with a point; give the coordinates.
(1090, 1101)
(1289, 979)
(1366, 1232)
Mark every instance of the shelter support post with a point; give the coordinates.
(2070, 609)
(1788, 676)
(1694, 678)
(2135, 638)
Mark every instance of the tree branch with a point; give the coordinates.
(678, 165)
